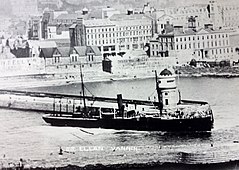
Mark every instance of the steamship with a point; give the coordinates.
(168, 113)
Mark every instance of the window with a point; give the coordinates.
(166, 101)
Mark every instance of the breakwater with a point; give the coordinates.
(40, 104)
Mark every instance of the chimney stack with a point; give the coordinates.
(130, 11)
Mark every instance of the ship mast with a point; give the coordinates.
(159, 94)
(83, 90)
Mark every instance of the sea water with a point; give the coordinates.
(25, 135)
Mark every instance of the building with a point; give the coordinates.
(98, 32)
(132, 31)
(229, 14)
(108, 12)
(36, 46)
(66, 61)
(34, 28)
(136, 63)
(179, 16)
(38, 25)
(58, 31)
(202, 45)
(58, 28)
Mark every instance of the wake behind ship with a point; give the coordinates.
(169, 113)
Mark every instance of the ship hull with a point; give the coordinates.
(141, 124)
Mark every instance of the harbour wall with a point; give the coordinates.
(44, 104)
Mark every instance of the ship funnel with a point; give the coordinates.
(120, 104)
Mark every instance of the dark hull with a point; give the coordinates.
(142, 124)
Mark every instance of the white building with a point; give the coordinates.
(58, 31)
(101, 33)
(133, 31)
(120, 33)
(202, 45)
(182, 14)
(137, 63)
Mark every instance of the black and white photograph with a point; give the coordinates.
(119, 85)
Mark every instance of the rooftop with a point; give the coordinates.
(64, 51)
(98, 22)
(73, 16)
(84, 50)
(119, 17)
(46, 52)
(166, 72)
(181, 32)
(42, 44)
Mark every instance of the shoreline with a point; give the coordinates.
(216, 72)
(139, 166)
(33, 81)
